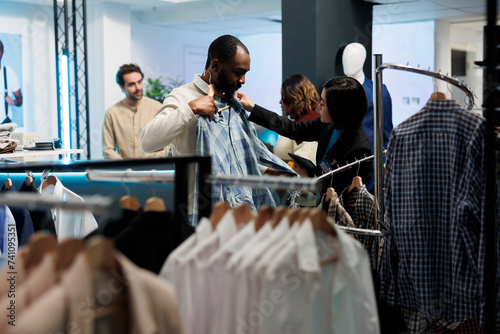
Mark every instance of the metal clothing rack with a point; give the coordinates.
(348, 166)
(180, 164)
(378, 120)
(97, 204)
(252, 181)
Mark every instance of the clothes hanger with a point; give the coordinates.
(292, 215)
(29, 178)
(40, 244)
(8, 183)
(320, 222)
(357, 182)
(155, 204)
(279, 213)
(51, 180)
(264, 214)
(303, 215)
(101, 254)
(218, 211)
(437, 95)
(243, 214)
(129, 202)
(330, 193)
(67, 251)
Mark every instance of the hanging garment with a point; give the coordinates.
(345, 301)
(69, 224)
(194, 264)
(8, 232)
(6, 278)
(180, 276)
(434, 197)
(41, 218)
(24, 224)
(236, 280)
(360, 205)
(150, 238)
(335, 211)
(233, 144)
(295, 272)
(152, 302)
(41, 279)
(112, 227)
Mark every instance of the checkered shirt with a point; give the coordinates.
(434, 200)
(335, 211)
(232, 142)
(360, 205)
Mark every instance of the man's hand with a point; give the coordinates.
(245, 101)
(204, 106)
(299, 169)
(10, 100)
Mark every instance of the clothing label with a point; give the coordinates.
(325, 166)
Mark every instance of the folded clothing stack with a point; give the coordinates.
(7, 144)
(41, 146)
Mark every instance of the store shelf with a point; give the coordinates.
(27, 153)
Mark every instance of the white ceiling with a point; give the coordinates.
(257, 16)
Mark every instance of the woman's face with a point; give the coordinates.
(285, 107)
(323, 109)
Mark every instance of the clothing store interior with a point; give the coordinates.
(319, 166)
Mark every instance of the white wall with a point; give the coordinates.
(404, 43)
(160, 51)
(109, 47)
(35, 24)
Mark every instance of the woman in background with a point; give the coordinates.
(341, 139)
(299, 100)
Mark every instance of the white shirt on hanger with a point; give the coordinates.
(180, 276)
(214, 273)
(235, 288)
(345, 302)
(290, 282)
(69, 224)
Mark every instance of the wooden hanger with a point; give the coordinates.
(357, 182)
(28, 181)
(40, 244)
(211, 90)
(101, 254)
(330, 193)
(67, 251)
(264, 214)
(155, 204)
(438, 96)
(243, 214)
(279, 213)
(320, 222)
(303, 215)
(293, 215)
(128, 202)
(218, 211)
(8, 183)
(51, 180)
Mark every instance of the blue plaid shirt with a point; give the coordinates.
(232, 142)
(434, 198)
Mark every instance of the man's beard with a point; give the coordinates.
(225, 87)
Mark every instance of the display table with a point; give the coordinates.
(36, 155)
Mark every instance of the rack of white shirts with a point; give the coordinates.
(378, 120)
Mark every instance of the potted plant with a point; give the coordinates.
(156, 90)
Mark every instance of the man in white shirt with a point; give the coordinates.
(125, 119)
(9, 84)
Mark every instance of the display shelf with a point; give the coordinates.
(27, 153)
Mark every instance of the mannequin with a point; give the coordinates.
(353, 59)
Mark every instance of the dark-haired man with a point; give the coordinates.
(9, 85)
(189, 119)
(124, 120)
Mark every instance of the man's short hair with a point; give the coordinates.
(126, 69)
(224, 48)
